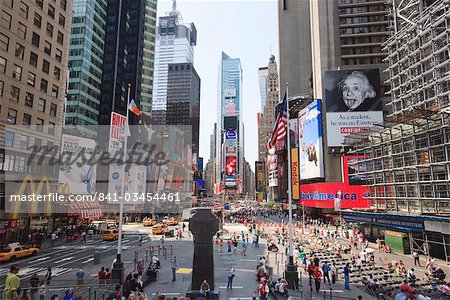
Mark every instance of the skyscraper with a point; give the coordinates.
(295, 45)
(229, 112)
(149, 56)
(123, 57)
(183, 99)
(85, 80)
(174, 44)
(34, 43)
(262, 77)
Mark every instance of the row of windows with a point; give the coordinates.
(6, 21)
(11, 139)
(31, 79)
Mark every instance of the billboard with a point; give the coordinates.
(79, 176)
(310, 140)
(260, 176)
(117, 133)
(353, 103)
(230, 166)
(272, 168)
(295, 174)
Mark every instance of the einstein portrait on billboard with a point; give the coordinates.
(353, 104)
(354, 90)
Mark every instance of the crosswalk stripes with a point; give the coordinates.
(55, 271)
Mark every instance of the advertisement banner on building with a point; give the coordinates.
(310, 139)
(78, 175)
(260, 176)
(353, 102)
(117, 134)
(295, 174)
(230, 166)
(272, 168)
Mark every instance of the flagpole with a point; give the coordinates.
(125, 158)
(291, 269)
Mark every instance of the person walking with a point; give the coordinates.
(333, 271)
(347, 276)
(101, 276)
(54, 237)
(415, 255)
(12, 284)
(80, 277)
(231, 273)
(326, 272)
(48, 278)
(140, 267)
(34, 285)
(317, 276)
(141, 238)
(173, 265)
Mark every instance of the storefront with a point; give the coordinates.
(427, 235)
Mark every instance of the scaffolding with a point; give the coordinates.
(406, 160)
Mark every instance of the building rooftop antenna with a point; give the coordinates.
(175, 13)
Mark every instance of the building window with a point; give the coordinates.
(51, 11)
(20, 51)
(63, 4)
(39, 124)
(6, 20)
(58, 55)
(31, 80)
(26, 120)
(2, 86)
(45, 66)
(4, 42)
(33, 59)
(17, 72)
(35, 39)
(44, 85)
(29, 99)
(40, 3)
(57, 73)
(53, 109)
(55, 91)
(12, 116)
(24, 142)
(48, 48)
(49, 29)
(9, 138)
(37, 21)
(23, 10)
(60, 37)
(41, 105)
(51, 128)
(37, 142)
(2, 65)
(15, 93)
(22, 30)
(62, 20)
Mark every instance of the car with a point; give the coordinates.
(159, 228)
(170, 221)
(110, 235)
(149, 222)
(15, 250)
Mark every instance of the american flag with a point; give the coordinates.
(280, 127)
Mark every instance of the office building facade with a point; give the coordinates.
(183, 99)
(174, 44)
(85, 64)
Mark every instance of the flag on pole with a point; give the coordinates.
(280, 128)
(134, 108)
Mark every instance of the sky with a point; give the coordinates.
(245, 29)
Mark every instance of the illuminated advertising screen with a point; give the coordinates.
(230, 166)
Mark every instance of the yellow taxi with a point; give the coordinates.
(170, 221)
(149, 222)
(14, 251)
(159, 228)
(110, 235)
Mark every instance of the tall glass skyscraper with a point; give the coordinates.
(174, 44)
(229, 111)
(86, 62)
(149, 55)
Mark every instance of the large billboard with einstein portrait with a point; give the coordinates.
(353, 104)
